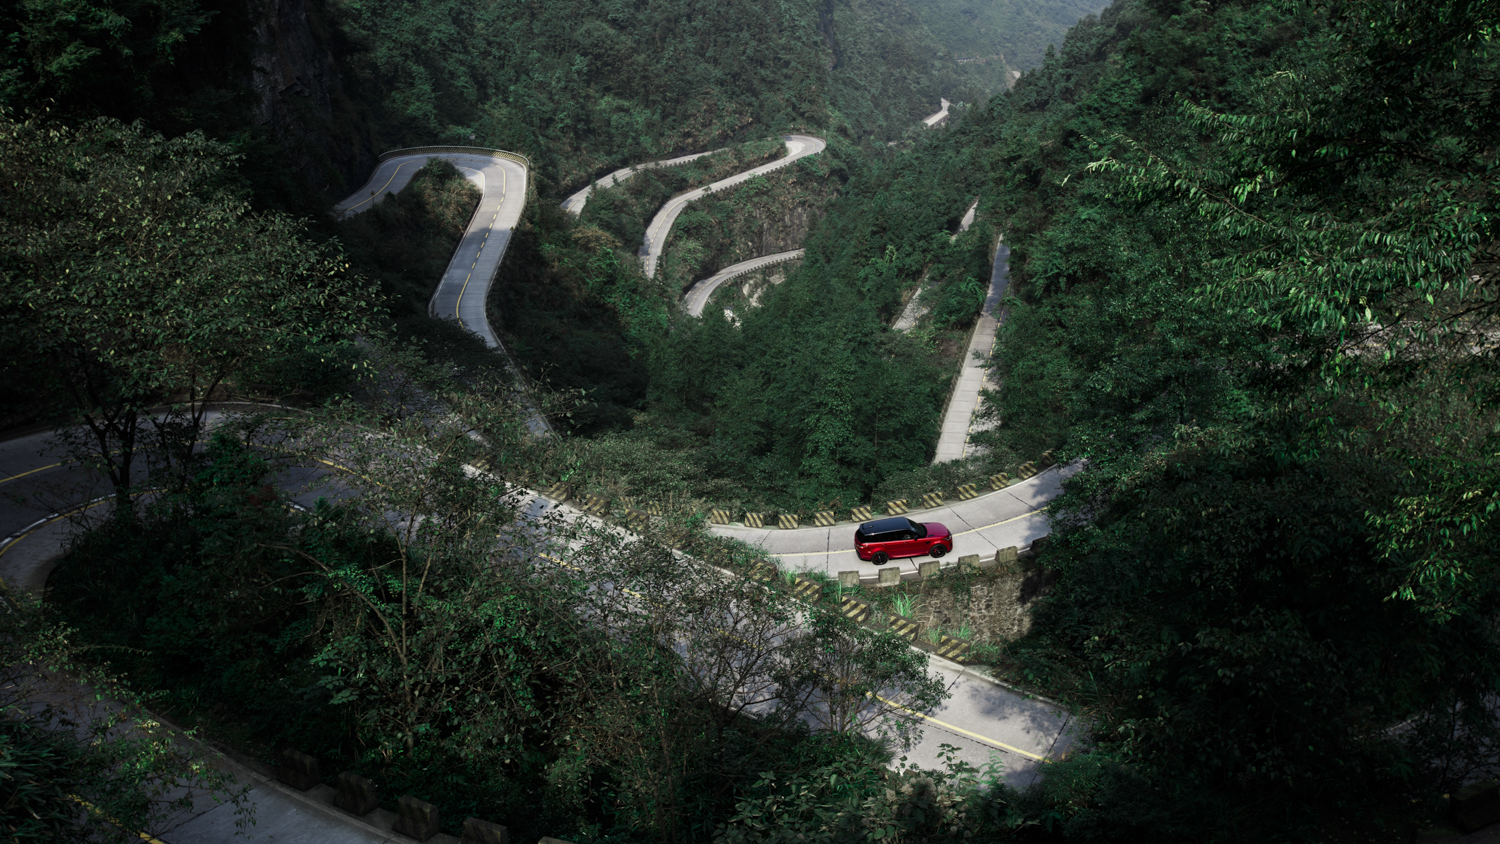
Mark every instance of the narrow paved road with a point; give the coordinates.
(958, 418)
(697, 296)
(938, 116)
(574, 204)
(463, 292)
(797, 146)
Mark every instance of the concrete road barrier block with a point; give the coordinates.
(931, 500)
(823, 518)
(719, 516)
(298, 770)
(968, 562)
(966, 491)
(593, 505)
(890, 576)
(1475, 807)
(896, 508)
(807, 590)
(636, 519)
(656, 509)
(755, 520)
(848, 579)
(786, 521)
(559, 492)
(355, 795)
(859, 514)
(999, 480)
(415, 818)
(1026, 470)
(928, 568)
(477, 831)
(905, 627)
(1008, 560)
(1047, 459)
(855, 610)
(954, 649)
(763, 572)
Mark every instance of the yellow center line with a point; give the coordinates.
(31, 472)
(961, 731)
(459, 304)
(382, 187)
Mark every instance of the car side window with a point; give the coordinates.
(907, 535)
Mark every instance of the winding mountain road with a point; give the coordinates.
(797, 147)
(574, 204)
(697, 296)
(980, 718)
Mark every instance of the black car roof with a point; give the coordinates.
(885, 525)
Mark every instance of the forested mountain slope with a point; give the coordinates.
(1252, 251)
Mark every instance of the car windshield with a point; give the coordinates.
(920, 528)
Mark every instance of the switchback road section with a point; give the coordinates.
(797, 146)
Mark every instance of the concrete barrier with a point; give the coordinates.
(905, 627)
(966, 491)
(1476, 806)
(890, 576)
(755, 520)
(415, 818)
(954, 649)
(477, 831)
(968, 562)
(859, 514)
(931, 500)
(594, 505)
(718, 516)
(356, 795)
(896, 508)
(786, 521)
(928, 568)
(559, 492)
(848, 579)
(807, 590)
(999, 480)
(855, 610)
(298, 770)
(823, 518)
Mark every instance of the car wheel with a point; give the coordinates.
(880, 558)
(938, 551)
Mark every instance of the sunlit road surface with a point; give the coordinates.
(797, 146)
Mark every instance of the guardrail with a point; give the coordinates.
(493, 153)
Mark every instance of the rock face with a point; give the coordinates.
(300, 97)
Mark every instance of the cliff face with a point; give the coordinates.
(300, 98)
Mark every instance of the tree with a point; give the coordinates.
(133, 278)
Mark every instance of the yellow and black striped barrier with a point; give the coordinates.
(859, 514)
(896, 508)
(755, 520)
(966, 491)
(823, 518)
(808, 590)
(719, 516)
(855, 610)
(1026, 470)
(636, 519)
(655, 508)
(763, 572)
(931, 500)
(999, 480)
(593, 505)
(954, 649)
(786, 521)
(905, 627)
(558, 492)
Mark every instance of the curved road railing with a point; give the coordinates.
(797, 146)
(574, 204)
(697, 296)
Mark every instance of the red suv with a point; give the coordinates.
(899, 536)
